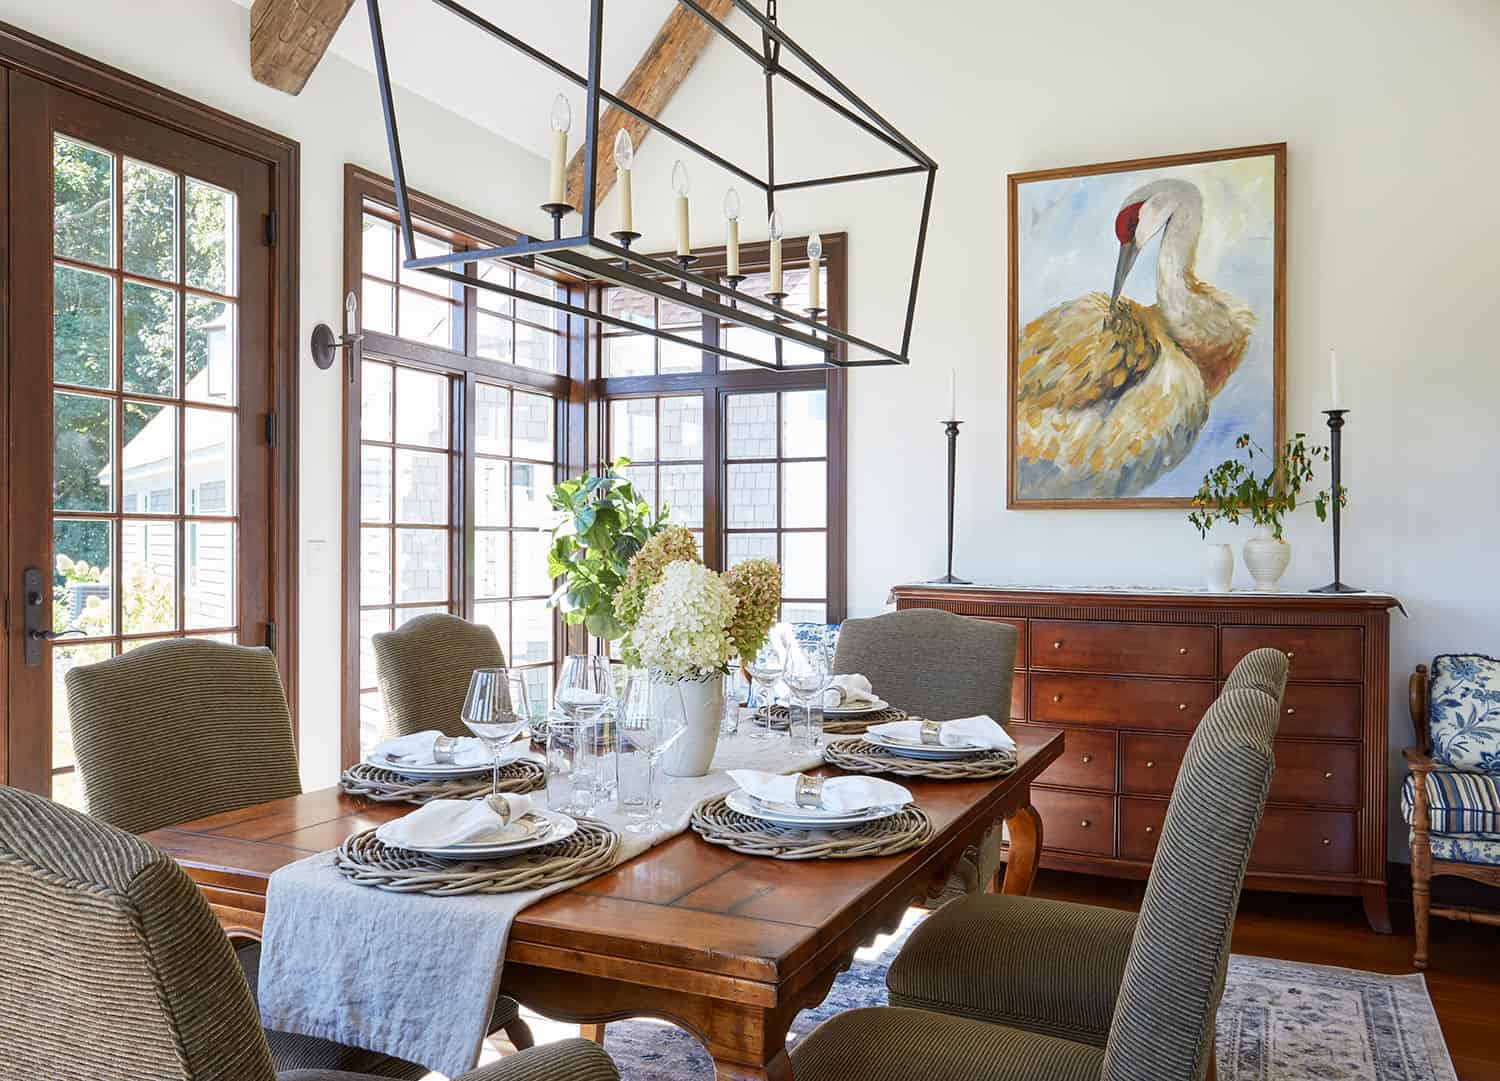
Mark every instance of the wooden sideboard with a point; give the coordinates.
(1127, 675)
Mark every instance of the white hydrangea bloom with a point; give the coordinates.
(683, 631)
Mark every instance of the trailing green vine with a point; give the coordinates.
(1233, 490)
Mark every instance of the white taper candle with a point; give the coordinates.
(1333, 377)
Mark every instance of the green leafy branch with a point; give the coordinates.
(1233, 490)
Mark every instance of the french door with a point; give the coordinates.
(139, 428)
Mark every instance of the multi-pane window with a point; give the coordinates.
(776, 492)
(663, 438)
(411, 304)
(514, 331)
(755, 344)
(624, 353)
(144, 414)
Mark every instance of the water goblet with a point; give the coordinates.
(652, 717)
(496, 709)
(765, 669)
(809, 671)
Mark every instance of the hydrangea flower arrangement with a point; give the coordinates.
(684, 621)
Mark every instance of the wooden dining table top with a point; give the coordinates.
(686, 916)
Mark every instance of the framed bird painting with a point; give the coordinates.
(1147, 324)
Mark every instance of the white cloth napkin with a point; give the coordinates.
(979, 733)
(416, 750)
(445, 822)
(849, 692)
(844, 794)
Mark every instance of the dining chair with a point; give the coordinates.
(423, 669)
(113, 966)
(1014, 988)
(936, 664)
(185, 729)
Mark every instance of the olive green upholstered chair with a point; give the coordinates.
(423, 668)
(943, 666)
(112, 966)
(1014, 989)
(185, 729)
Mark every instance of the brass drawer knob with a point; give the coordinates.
(1087, 759)
(1057, 698)
(1085, 825)
(1290, 654)
(1057, 644)
(1181, 706)
(1328, 775)
(1326, 841)
(1150, 764)
(1182, 651)
(1291, 711)
(1150, 829)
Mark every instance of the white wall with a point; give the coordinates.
(1394, 256)
(201, 48)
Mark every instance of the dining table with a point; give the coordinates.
(729, 947)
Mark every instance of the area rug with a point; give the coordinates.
(1279, 1021)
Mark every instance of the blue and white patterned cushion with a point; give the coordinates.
(1459, 802)
(1465, 849)
(1464, 711)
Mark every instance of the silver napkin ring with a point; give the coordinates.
(501, 806)
(809, 791)
(444, 750)
(932, 732)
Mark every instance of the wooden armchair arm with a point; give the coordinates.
(1419, 760)
(1421, 764)
(1417, 694)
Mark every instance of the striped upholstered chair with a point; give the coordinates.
(112, 966)
(181, 730)
(423, 668)
(943, 666)
(1020, 989)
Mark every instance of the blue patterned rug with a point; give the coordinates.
(1279, 1021)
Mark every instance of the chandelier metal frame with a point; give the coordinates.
(674, 281)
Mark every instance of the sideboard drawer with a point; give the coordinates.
(1018, 696)
(1149, 763)
(1314, 652)
(1074, 645)
(1316, 842)
(1076, 822)
(1316, 773)
(1321, 710)
(1088, 760)
(1140, 827)
(1120, 702)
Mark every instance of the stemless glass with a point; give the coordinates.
(652, 717)
(764, 671)
(809, 671)
(496, 709)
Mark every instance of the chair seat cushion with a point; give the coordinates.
(1464, 711)
(895, 1044)
(1458, 802)
(1047, 966)
(1479, 850)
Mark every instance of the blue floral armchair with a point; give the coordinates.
(1451, 799)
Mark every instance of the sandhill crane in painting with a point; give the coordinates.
(1110, 394)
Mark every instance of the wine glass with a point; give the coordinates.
(496, 709)
(652, 718)
(765, 669)
(585, 686)
(809, 671)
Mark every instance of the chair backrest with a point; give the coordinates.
(180, 730)
(932, 663)
(1463, 711)
(1263, 669)
(1163, 1026)
(423, 668)
(111, 964)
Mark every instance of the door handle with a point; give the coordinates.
(37, 619)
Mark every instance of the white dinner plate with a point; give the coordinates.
(786, 814)
(557, 827)
(446, 770)
(856, 711)
(922, 750)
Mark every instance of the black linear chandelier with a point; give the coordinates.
(609, 259)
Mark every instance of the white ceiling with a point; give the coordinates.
(435, 54)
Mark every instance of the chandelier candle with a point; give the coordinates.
(732, 231)
(624, 156)
(814, 274)
(562, 120)
(775, 230)
(680, 186)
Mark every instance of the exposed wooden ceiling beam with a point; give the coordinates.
(657, 75)
(289, 37)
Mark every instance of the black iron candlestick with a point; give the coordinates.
(950, 428)
(626, 237)
(1336, 442)
(558, 212)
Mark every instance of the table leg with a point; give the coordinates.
(1025, 830)
(592, 1033)
(778, 1069)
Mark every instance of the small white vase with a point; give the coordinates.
(703, 701)
(1218, 567)
(1266, 558)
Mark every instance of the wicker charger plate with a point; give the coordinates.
(717, 824)
(387, 786)
(589, 851)
(862, 756)
(839, 726)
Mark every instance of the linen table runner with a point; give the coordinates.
(416, 976)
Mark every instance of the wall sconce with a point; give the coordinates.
(326, 346)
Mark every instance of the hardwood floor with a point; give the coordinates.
(1463, 975)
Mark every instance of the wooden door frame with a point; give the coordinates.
(27, 54)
